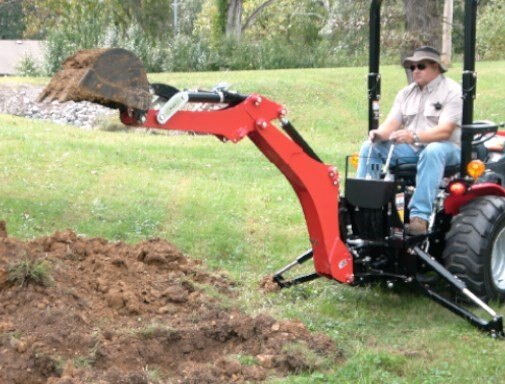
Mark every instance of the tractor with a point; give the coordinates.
(360, 236)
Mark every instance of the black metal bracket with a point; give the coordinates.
(374, 77)
(279, 279)
(298, 139)
(494, 326)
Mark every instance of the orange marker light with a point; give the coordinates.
(354, 160)
(457, 188)
(475, 168)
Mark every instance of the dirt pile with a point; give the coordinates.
(84, 310)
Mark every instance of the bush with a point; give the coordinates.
(58, 48)
(26, 271)
(187, 54)
(491, 32)
(28, 66)
(149, 51)
(83, 30)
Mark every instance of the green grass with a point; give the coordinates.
(228, 205)
(30, 271)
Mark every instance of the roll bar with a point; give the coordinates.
(374, 78)
(469, 79)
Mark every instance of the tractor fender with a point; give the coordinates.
(453, 203)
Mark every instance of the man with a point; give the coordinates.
(425, 126)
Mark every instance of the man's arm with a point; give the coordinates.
(385, 130)
(392, 123)
(441, 132)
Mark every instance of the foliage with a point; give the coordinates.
(423, 24)
(29, 67)
(286, 34)
(11, 20)
(188, 54)
(58, 47)
(491, 31)
(185, 54)
(149, 51)
(26, 271)
(220, 17)
(83, 29)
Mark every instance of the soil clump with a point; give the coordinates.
(84, 310)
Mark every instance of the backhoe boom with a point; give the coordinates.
(316, 184)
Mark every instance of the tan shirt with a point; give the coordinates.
(419, 110)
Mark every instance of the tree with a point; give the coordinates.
(232, 10)
(234, 19)
(423, 25)
(491, 31)
(12, 23)
(447, 32)
(342, 14)
(43, 16)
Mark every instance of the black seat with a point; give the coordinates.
(409, 170)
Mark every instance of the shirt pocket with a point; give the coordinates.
(409, 115)
(432, 113)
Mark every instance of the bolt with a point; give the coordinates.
(257, 100)
(282, 112)
(262, 124)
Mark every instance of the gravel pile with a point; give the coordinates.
(20, 100)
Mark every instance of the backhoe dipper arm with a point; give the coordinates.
(316, 184)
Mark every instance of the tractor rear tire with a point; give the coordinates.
(475, 247)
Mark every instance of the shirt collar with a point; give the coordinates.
(433, 84)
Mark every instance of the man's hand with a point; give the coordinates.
(402, 136)
(382, 133)
(374, 135)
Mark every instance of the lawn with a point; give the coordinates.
(229, 206)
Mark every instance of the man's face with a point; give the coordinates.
(424, 72)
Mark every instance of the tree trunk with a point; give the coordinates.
(423, 26)
(234, 19)
(447, 33)
(252, 18)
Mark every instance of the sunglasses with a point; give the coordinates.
(420, 66)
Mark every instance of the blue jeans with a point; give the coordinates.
(431, 161)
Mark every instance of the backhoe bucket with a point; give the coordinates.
(113, 77)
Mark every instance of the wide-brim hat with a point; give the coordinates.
(424, 53)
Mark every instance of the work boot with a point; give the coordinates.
(417, 226)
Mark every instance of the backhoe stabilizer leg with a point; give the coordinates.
(279, 279)
(494, 327)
